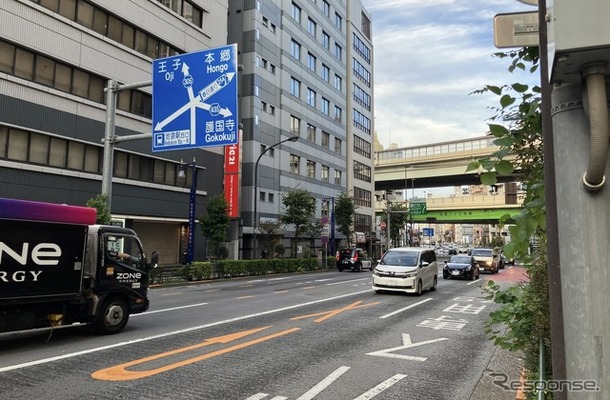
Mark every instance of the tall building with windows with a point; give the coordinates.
(56, 58)
(298, 79)
(360, 111)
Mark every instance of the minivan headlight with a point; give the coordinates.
(410, 274)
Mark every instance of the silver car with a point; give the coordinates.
(406, 269)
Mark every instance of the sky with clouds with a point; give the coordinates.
(429, 56)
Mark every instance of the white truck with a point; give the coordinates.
(58, 268)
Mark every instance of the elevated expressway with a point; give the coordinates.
(441, 165)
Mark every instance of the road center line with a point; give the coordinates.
(406, 308)
(350, 281)
(173, 333)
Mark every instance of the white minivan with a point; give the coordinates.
(406, 269)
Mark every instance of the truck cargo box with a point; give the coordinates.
(40, 261)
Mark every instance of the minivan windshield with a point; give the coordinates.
(400, 258)
(482, 252)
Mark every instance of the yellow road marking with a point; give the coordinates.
(120, 372)
(332, 313)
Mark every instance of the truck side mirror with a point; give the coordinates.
(154, 259)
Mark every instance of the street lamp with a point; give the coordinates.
(255, 224)
(181, 174)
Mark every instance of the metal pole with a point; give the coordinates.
(192, 206)
(109, 142)
(387, 232)
(541, 371)
(255, 208)
(332, 225)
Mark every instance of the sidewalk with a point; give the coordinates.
(502, 362)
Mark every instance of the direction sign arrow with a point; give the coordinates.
(407, 344)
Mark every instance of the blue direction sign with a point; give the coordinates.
(194, 99)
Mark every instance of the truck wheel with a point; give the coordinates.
(113, 316)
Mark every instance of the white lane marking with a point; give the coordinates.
(323, 384)
(167, 334)
(350, 281)
(406, 308)
(260, 396)
(381, 387)
(168, 309)
(406, 344)
(473, 282)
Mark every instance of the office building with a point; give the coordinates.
(307, 71)
(56, 59)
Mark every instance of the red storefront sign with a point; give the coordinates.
(231, 181)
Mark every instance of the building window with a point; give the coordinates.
(295, 125)
(325, 106)
(271, 197)
(338, 113)
(325, 73)
(295, 49)
(311, 62)
(120, 30)
(311, 97)
(362, 147)
(325, 40)
(362, 171)
(325, 140)
(325, 173)
(338, 82)
(38, 68)
(312, 27)
(338, 52)
(338, 21)
(311, 169)
(295, 87)
(294, 163)
(296, 13)
(337, 145)
(311, 133)
(326, 8)
(337, 177)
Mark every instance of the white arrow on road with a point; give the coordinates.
(407, 344)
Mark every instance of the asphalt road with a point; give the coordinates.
(302, 336)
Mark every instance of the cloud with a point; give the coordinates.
(429, 56)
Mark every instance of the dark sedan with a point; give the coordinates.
(461, 266)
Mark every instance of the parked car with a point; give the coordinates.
(488, 259)
(406, 269)
(461, 266)
(355, 259)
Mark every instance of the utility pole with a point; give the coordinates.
(387, 232)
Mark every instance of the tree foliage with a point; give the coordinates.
(522, 319)
(399, 217)
(215, 223)
(345, 209)
(100, 202)
(300, 207)
(270, 235)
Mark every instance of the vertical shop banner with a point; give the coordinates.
(231, 184)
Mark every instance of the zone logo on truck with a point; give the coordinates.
(57, 267)
(42, 254)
